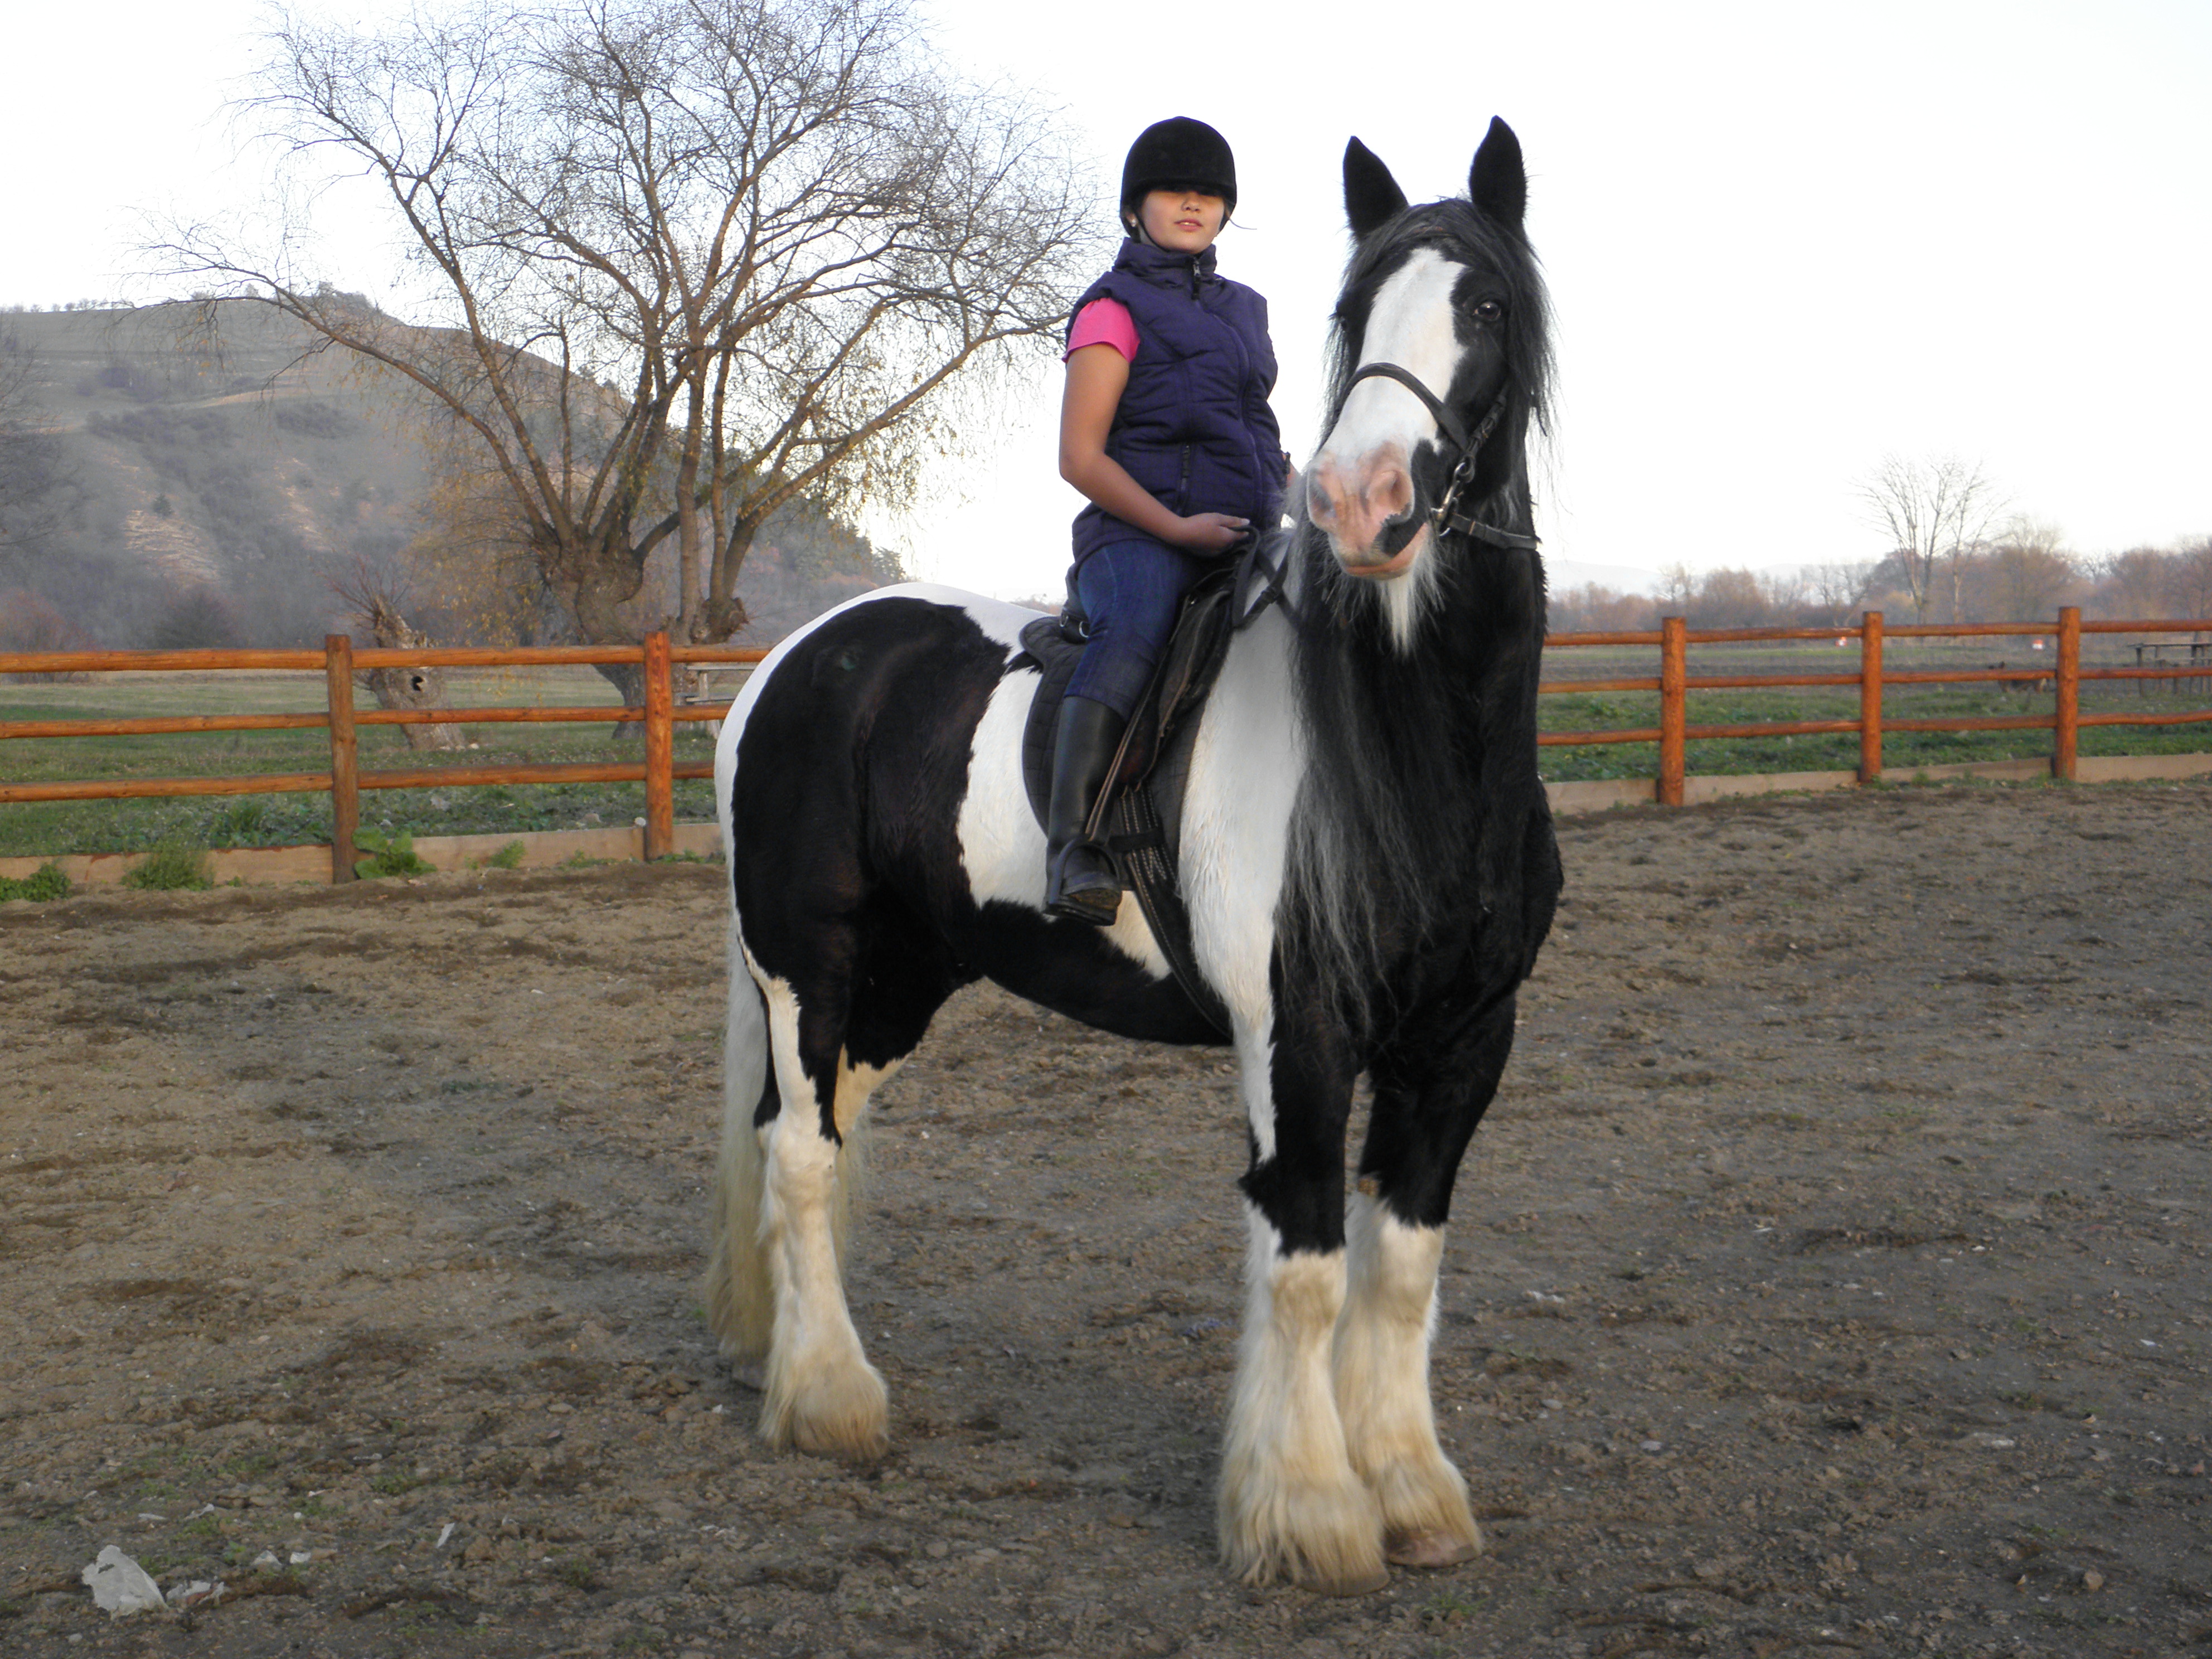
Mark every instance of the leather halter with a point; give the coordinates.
(1449, 517)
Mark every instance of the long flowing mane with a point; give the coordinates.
(1407, 749)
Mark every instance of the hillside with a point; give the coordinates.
(159, 490)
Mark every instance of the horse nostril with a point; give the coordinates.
(1323, 505)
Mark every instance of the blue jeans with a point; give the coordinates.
(1133, 592)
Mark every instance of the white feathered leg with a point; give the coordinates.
(1291, 1506)
(822, 1394)
(1381, 1373)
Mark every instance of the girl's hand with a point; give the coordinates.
(1211, 532)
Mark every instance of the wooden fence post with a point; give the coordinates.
(2068, 727)
(345, 771)
(1674, 670)
(1870, 698)
(660, 749)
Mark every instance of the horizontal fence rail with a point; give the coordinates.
(657, 656)
(339, 661)
(2064, 675)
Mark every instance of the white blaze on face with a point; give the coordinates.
(1362, 479)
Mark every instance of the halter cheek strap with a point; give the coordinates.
(1450, 518)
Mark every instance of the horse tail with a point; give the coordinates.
(740, 1301)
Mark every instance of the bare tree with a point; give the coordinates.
(1936, 512)
(1838, 589)
(693, 258)
(2135, 584)
(2026, 573)
(2189, 584)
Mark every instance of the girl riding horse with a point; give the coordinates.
(1166, 427)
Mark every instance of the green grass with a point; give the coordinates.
(42, 886)
(388, 855)
(172, 867)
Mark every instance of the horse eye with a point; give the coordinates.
(1489, 311)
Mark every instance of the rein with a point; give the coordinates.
(1449, 517)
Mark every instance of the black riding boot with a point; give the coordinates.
(1080, 878)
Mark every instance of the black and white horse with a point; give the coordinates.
(1366, 857)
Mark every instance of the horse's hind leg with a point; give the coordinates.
(739, 1300)
(1416, 1138)
(820, 1393)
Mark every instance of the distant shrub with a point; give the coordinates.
(314, 419)
(508, 857)
(387, 855)
(170, 868)
(43, 886)
(196, 618)
(28, 622)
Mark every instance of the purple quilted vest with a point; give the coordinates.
(1193, 427)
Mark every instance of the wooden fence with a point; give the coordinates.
(1674, 682)
(657, 768)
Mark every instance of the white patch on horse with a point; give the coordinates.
(1246, 765)
(1002, 846)
(1291, 1506)
(1411, 325)
(1380, 1370)
(1383, 422)
(820, 1393)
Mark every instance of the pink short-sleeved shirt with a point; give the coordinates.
(1103, 322)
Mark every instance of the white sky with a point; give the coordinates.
(1781, 240)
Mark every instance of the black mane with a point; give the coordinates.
(1411, 829)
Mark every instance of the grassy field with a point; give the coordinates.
(1630, 710)
(271, 820)
(41, 828)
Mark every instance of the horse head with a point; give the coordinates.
(1440, 360)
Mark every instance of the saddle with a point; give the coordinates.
(1137, 818)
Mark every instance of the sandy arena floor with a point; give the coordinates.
(1830, 1277)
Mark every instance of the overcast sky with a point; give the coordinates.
(1783, 240)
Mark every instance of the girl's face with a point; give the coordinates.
(1181, 221)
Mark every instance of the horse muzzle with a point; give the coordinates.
(1371, 512)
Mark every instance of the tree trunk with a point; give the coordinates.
(409, 688)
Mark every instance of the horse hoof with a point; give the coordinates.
(1430, 1549)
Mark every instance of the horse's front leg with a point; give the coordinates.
(1417, 1132)
(1292, 1505)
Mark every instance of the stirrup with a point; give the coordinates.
(1097, 901)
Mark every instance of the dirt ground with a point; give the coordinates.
(1830, 1277)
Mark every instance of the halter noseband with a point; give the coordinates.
(1449, 517)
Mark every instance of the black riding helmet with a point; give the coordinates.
(1179, 154)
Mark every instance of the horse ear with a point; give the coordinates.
(1497, 183)
(1372, 195)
